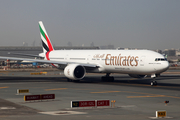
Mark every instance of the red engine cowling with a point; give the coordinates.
(74, 71)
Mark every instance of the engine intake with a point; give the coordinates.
(74, 71)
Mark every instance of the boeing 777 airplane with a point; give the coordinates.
(76, 63)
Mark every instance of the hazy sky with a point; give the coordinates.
(151, 24)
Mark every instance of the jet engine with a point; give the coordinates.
(137, 76)
(74, 71)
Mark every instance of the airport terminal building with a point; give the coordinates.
(8, 51)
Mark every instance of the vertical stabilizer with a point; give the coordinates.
(46, 43)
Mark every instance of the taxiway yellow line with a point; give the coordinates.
(4, 87)
(148, 95)
(172, 96)
(153, 96)
(141, 85)
(145, 94)
(55, 89)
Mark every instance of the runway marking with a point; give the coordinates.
(7, 108)
(55, 89)
(62, 112)
(106, 92)
(4, 87)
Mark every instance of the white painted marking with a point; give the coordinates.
(126, 106)
(160, 117)
(7, 108)
(23, 94)
(62, 112)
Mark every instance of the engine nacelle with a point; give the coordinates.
(137, 76)
(74, 71)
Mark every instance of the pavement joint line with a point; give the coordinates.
(2, 116)
(56, 89)
(145, 96)
(167, 117)
(90, 108)
(126, 106)
(106, 92)
(83, 89)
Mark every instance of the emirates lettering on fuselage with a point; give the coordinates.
(121, 60)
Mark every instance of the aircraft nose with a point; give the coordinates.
(162, 67)
(165, 66)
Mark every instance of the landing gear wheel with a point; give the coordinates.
(153, 83)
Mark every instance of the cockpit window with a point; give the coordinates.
(160, 59)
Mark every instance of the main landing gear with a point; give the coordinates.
(107, 78)
(153, 82)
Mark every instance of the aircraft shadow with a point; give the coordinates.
(120, 80)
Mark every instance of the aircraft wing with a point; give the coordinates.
(22, 54)
(49, 61)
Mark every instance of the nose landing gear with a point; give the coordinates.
(153, 82)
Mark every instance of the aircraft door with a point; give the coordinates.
(67, 58)
(142, 60)
(89, 59)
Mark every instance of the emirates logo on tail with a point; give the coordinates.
(46, 43)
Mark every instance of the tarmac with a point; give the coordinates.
(134, 98)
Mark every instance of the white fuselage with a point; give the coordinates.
(142, 62)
